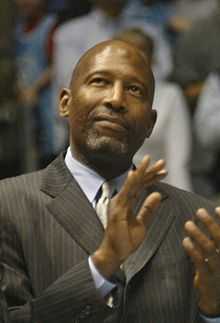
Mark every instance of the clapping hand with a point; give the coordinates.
(203, 247)
(125, 229)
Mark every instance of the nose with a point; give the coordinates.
(115, 96)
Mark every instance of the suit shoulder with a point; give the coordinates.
(21, 183)
(186, 199)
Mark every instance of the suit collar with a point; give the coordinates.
(70, 207)
(162, 221)
(56, 177)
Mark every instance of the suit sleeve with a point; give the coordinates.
(71, 297)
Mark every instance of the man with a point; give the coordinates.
(60, 265)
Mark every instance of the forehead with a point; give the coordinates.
(120, 60)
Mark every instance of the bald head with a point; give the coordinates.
(120, 47)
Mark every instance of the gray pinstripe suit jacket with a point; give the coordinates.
(48, 229)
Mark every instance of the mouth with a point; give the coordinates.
(111, 122)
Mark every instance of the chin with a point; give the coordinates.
(108, 147)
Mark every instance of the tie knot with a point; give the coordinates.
(106, 190)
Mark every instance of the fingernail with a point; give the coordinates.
(201, 212)
(162, 172)
(188, 225)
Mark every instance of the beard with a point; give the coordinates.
(107, 146)
(98, 148)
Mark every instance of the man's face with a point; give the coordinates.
(109, 105)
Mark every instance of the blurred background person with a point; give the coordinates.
(171, 138)
(10, 162)
(189, 11)
(186, 12)
(33, 47)
(197, 53)
(158, 13)
(10, 141)
(207, 130)
(68, 9)
(173, 16)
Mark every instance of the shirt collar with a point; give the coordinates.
(89, 181)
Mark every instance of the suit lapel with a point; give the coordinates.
(70, 206)
(160, 225)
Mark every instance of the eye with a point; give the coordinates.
(136, 90)
(99, 81)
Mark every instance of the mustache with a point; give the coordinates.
(105, 114)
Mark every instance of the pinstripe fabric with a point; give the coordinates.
(48, 229)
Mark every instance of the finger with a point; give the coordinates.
(139, 179)
(134, 181)
(152, 178)
(155, 172)
(206, 245)
(148, 208)
(203, 244)
(213, 228)
(157, 166)
(195, 255)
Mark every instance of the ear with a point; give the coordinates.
(153, 121)
(65, 102)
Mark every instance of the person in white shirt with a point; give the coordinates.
(207, 115)
(207, 132)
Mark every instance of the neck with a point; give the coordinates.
(107, 168)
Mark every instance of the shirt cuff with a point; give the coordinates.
(210, 319)
(103, 285)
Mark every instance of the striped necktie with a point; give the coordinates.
(103, 201)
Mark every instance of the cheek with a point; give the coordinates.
(141, 117)
(80, 110)
(84, 108)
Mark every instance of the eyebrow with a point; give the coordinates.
(108, 73)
